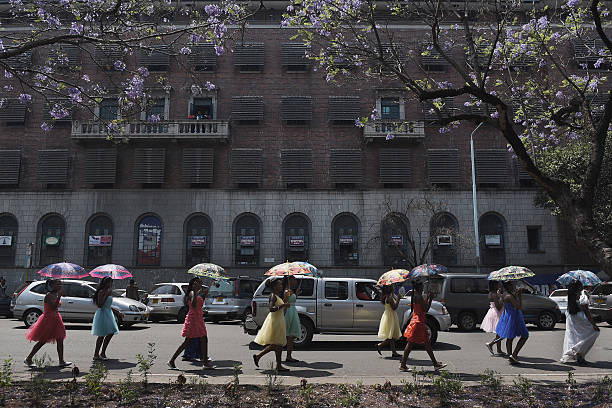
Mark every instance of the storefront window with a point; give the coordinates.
(99, 240)
(492, 248)
(346, 240)
(52, 231)
(149, 232)
(8, 239)
(247, 232)
(198, 235)
(395, 240)
(297, 237)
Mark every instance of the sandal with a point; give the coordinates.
(405, 369)
(256, 360)
(28, 363)
(439, 366)
(171, 365)
(512, 360)
(291, 360)
(65, 363)
(378, 349)
(490, 348)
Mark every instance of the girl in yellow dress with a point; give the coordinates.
(389, 329)
(272, 334)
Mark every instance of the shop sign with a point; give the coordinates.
(296, 240)
(198, 241)
(100, 240)
(52, 241)
(397, 240)
(492, 240)
(345, 240)
(6, 240)
(247, 240)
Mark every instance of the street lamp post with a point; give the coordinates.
(474, 204)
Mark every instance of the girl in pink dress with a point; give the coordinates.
(489, 323)
(194, 326)
(49, 328)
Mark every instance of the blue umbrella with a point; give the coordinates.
(587, 278)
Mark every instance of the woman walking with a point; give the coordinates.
(511, 323)
(49, 328)
(416, 332)
(489, 323)
(194, 326)
(293, 328)
(389, 329)
(273, 334)
(104, 324)
(580, 329)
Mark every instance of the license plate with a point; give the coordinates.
(600, 301)
(219, 298)
(155, 301)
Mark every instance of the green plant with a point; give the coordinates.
(414, 386)
(524, 386)
(39, 384)
(603, 389)
(6, 378)
(447, 386)
(272, 380)
(72, 386)
(306, 393)
(127, 390)
(94, 379)
(145, 363)
(351, 394)
(491, 379)
(232, 389)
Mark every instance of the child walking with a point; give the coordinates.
(293, 328)
(273, 334)
(489, 323)
(389, 329)
(511, 323)
(104, 325)
(49, 328)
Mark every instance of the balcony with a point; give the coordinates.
(214, 130)
(400, 129)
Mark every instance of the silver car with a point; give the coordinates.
(230, 299)
(559, 296)
(166, 301)
(77, 304)
(601, 302)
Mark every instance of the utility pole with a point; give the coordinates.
(474, 203)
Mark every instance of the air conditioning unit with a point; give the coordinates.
(444, 240)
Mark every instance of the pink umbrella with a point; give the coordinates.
(112, 271)
(63, 270)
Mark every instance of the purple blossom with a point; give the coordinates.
(76, 28)
(219, 50)
(542, 23)
(75, 95)
(212, 10)
(25, 98)
(495, 115)
(359, 123)
(59, 112)
(196, 89)
(374, 115)
(598, 63)
(389, 136)
(119, 65)
(154, 118)
(572, 3)
(185, 50)
(143, 71)
(85, 78)
(209, 86)
(45, 126)
(7, 74)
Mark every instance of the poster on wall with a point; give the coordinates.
(397, 240)
(492, 240)
(149, 241)
(6, 240)
(345, 240)
(100, 240)
(247, 240)
(198, 241)
(296, 241)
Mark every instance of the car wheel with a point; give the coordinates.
(118, 319)
(307, 331)
(31, 316)
(546, 321)
(182, 314)
(466, 321)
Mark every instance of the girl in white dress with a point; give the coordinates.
(489, 323)
(580, 329)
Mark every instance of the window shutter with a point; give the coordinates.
(344, 108)
(65, 55)
(587, 50)
(101, 166)
(443, 166)
(447, 110)
(21, 61)
(491, 166)
(296, 108)
(249, 54)
(202, 55)
(53, 166)
(13, 111)
(247, 108)
(149, 165)
(197, 166)
(296, 166)
(107, 55)
(247, 166)
(432, 57)
(157, 56)
(395, 166)
(63, 102)
(346, 166)
(294, 54)
(10, 165)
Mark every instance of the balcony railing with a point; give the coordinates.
(399, 129)
(181, 129)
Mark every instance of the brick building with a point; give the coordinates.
(268, 166)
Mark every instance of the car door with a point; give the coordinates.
(335, 307)
(69, 306)
(367, 313)
(84, 306)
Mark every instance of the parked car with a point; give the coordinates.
(230, 299)
(166, 301)
(77, 304)
(330, 306)
(5, 306)
(559, 296)
(466, 298)
(601, 302)
(142, 294)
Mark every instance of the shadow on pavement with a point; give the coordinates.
(114, 364)
(354, 346)
(299, 373)
(318, 365)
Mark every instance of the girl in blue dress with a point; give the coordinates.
(511, 323)
(293, 327)
(104, 324)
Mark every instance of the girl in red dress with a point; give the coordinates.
(416, 332)
(49, 328)
(194, 326)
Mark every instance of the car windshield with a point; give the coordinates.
(118, 292)
(604, 290)
(221, 288)
(559, 292)
(165, 290)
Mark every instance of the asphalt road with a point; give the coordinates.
(329, 359)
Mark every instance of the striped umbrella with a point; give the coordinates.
(587, 278)
(111, 271)
(208, 270)
(511, 273)
(393, 276)
(289, 268)
(63, 270)
(426, 270)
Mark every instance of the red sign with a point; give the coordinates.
(100, 240)
(198, 241)
(296, 240)
(247, 240)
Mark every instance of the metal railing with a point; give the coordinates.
(410, 129)
(173, 129)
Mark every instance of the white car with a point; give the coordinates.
(77, 304)
(167, 301)
(559, 296)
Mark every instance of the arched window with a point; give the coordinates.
(297, 237)
(99, 240)
(197, 239)
(8, 239)
(247, 236)
(492, 247)
(52, 235)
(149, 233)
(345, 229)
(395, 235)
(444, 234)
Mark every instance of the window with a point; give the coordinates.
(52, 231)
(201, 108)
(247, 237)
(157, 107)
(99, 240)
(534, 238)
(389, 108)
(41, 289)
(197, 239)
(603, 290)
(76, 290)
(108, 109)
(336, 290)
(166, 290)
(8, 239)
(346, 240)
(305, 284)
(395, 236)
(221, 288)
(366, 291)
(461, 285)
(444, 235)
(149, 233)
(492, 248)
(297, 237)
(247, 288)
